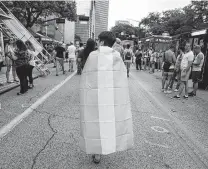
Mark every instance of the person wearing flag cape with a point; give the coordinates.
(106, 119)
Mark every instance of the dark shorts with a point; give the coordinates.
(196, 75)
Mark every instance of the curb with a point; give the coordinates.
(13, 87)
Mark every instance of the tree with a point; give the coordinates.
(127, 30)
(32, 12)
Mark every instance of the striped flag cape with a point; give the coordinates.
(106, 119)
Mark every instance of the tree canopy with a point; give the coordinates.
(32, 12)
(175, 21)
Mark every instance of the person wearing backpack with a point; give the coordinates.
(169, 61)
(128, 56)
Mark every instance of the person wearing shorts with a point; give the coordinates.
(186, 63)
(197, 69)
(169, 60)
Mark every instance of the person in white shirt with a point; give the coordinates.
(72, 56)
(186, 63)
(197, 69)
(9, 51)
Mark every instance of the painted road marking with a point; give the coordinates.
(159, 129)
(155, 144)
(159, 118)
(7, 128)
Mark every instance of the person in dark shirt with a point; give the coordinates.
(60, 57)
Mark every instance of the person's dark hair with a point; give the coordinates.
(28, 43)
(182, 48)
(128, 46)
(81, 44)
(172, 47)
(20, 45)
(108, 37)
(90, 46)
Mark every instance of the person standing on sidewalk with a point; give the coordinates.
(186, 64)
(177, 71)
(31, 52)
(128, 58)
(106, 119)
(138, 56)
(119, 48)
(169, 60)
(79, 63)
(197, 69)
(9, 51)
(60, 57)
(20, 61)
(153, 58)
(72, 56)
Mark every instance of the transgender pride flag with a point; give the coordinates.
(106, 119)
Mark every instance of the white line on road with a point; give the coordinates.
(159, 118)
(7, 128)
(155, 144)
(159, 129)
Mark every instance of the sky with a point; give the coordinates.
(137, 9)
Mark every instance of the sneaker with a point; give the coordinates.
(165, 91)
(185, 97)
(177, 97)
(176, 90)
(192, 94)
(15, 80)
(169, 92)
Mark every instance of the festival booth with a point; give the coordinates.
(156, 42)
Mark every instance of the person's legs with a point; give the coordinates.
(153, 67)
(173, 79)
(21, 78)
(25, 73)
(168, 81)
(8, 72)
(61, 61)
(165, 75)
(181, 87)
(145, 64)
(30, 70)
(186, 88)
(140, 65)
(195, 79)
(72, 65)
(137, 64)
(14, 74)
(57, 67)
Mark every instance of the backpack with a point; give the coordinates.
(128, 55)
(167, 64)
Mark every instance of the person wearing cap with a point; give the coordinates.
(9, 51)
(72, 56)
(197, 69)
(118, 47)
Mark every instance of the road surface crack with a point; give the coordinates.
(47, 142)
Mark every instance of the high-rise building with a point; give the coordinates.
(122, 22)
(101, 16)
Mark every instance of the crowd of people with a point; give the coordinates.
(19, 57)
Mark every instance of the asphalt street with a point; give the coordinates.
(168, 133)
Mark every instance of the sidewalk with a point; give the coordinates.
(9, 86)
(203, 94)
